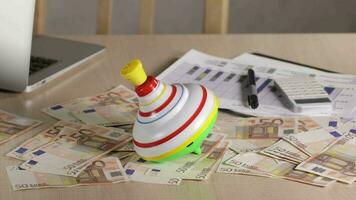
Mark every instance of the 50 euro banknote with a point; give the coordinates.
(225, 168)
(180, 168)
(259, 127)
(284, 150)
(315, 141)
(23, 151)
(116, 96)
(202, 169)
(110, 115)
(12, 125)
(199, 170)
(250, 145)
(337, 161)
(144, 174)
(270, 127)
(107, 170)
(278, 169)
(69, 155)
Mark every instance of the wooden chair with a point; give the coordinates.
(215, 19)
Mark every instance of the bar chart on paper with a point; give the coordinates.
(226, 78)
(228, 86)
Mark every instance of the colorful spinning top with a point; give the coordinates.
(173, 120)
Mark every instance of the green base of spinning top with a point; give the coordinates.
(193, 147)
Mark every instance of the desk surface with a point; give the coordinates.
(329, 51)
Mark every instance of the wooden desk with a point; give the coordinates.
(330, 51)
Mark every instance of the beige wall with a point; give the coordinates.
(186, 16)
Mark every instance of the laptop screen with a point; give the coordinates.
(16, 19)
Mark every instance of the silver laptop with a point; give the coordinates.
(26, 61)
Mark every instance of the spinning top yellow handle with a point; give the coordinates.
(134, 72)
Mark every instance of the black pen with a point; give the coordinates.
(252, 97)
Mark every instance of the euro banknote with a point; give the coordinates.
(250, 145)
(144, 174)
(173, 172)
(278, 169)
(271, 127)
(225, 168)
(178, 168)
(346, 127)
(315, 141)
(124, 156)
(12, 125)
(70, 154)
(66, 131)
(202, 170)
(107, 170)
(337, 161)
(128, 147)
(23, 151)
(280, 158)
(284, 150)
(127, 128)
(306, 123)
(259, 162)
(110, 115)
(117, 96)
(262, 128)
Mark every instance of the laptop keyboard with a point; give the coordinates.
(39, 63)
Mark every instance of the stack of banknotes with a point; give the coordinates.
(317, 151)
(71, 154)
(91, 144)
(68, 154)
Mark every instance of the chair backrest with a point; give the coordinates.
(215, 18)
